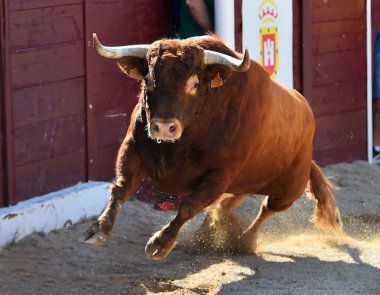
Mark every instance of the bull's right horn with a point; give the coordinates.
(120, 51)
(213, 57)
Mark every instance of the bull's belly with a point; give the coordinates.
(251, 187)
(256, 175)
(180, 183)
(185, 182)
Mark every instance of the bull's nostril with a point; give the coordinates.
(172, 129)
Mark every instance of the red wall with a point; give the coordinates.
(339, 94)
(111, 95)
(3, 200)
(46, 123)
(67, 109)
(297, 45)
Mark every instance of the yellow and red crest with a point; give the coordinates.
(268, 13)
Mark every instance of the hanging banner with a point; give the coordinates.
(268, 34)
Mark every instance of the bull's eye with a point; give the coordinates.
(149, 83)
(192, 84)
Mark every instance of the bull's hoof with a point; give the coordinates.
(155, 248)
(94, 236)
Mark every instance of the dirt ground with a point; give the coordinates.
(292, 256)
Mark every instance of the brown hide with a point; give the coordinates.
(240, 133)
(251, 128)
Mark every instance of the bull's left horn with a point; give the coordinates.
(120, 51)
(213, 57)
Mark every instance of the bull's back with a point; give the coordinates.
(285, 135)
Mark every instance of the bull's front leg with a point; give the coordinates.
(163, 241)
(129, 173)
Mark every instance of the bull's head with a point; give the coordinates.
(176, 77)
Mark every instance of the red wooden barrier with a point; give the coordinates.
(46, 125)
(111, 96)
(3, 199)
(339, 80)
(67, 110)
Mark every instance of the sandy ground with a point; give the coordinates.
(292, 256)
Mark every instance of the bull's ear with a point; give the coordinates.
(217, 75)
(134, 67)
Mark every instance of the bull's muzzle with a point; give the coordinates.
(165, 129)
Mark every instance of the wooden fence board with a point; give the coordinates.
(110, 86)
(342, 129)
(238, 25)
(338, 36)
(339, 80)
(113, 99)
(36, 104)
(39, 27)
(33, 4)
(103, 167)
(49, 139)
(47, 96)
(297, 48)
(118, 122)
(125, 16)
(50, 64)
(339, 97)
(49, 175)
(324, 11)
(345, 153)
(339, 66)
(3, 198)
(111, 95)
(47, 108)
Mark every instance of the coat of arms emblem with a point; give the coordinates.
(268, 14)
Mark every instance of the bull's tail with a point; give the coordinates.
(326, 214)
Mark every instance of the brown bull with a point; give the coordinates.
(207, 123)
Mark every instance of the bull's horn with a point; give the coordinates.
(120, 51)
(213, 57)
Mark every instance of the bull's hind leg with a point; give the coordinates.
(129, 174)
(282, 192)
(271, 204)
(247, 241)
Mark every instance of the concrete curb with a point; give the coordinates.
(52, 211)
